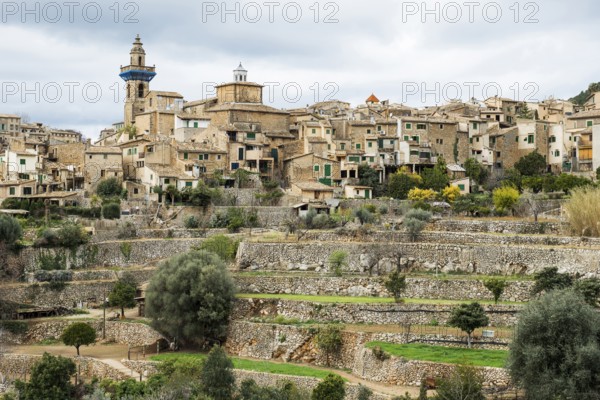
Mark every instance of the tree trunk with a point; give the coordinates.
(122, 312)
(469, 340)
(77, 347)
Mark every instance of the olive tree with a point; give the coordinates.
(467, 318)
(555, 352)
(78, 334)
(50, 379)
(217, 377)
(190, 297)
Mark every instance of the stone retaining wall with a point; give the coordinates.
(378, 314)
(489, 259)
(175, 233)
(72, 294)
(110, 254)
(133, 334)
(298, 343)
(267, 216)
(146, 368)
(499, 226)
(344, 235)
(402, 372)
(422, 288)
(18, 366)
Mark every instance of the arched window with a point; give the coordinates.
(140, 60)
(141, 90)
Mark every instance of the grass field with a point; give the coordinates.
(450, 355)
(357, 300)
(253, 365)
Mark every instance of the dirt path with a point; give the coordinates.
(115, 352)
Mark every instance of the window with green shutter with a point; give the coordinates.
(251, 136)
(408, 126)
(357, 146)
(22, 161)
(343, 146)
(314, 131)
(589, 123)
(11, 191)
(370, 144)
(188, 184)
(185, 156)
(530, 139)
(328, 131)
(461, 187)
(316, 168)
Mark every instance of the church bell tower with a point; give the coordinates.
(137, 76)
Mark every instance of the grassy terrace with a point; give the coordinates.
(359, 300)
(252, 365)
(449, 355)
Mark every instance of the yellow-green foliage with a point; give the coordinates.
(417, 194)
(451, 193)
(505, 198)
(583, 212)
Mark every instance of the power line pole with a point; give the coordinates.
(104, 315)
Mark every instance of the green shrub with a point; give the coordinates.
(14, 327)
(111, 211)
(72, 235)
(396, 285)
(337, 260)
(364, 216)
(421, 215)
(221, 245)
(125, 248)
(191, 222)
(53, 275)
(234, 219)
(56, 286)
(109, 188)
(10, 230)
(51, 261)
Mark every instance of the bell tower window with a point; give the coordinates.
(141, 90)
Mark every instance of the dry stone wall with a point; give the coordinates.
(74, 293)
(402, 372)
(378, 314)
(499, 226)
(349, 235)
(133, 334)
(470, 258)
(17, 366)
(422, 288)
(112, 254)
(297, 343)
(146, 368)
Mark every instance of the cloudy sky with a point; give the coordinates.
(60, 60)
